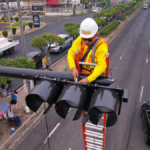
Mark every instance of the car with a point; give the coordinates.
(59, 48)
(97, 10)
(145, 6)
(37, 57)
(107, 19)
(145, 115)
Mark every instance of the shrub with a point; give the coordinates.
(67, 24)
(17, 19)
(109, 28)
(123, 18)
(5, 33)
(30, 24)
(3, 18)
(14, 31)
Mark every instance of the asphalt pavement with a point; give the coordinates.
(129, 61)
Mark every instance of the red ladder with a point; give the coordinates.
(94, 135)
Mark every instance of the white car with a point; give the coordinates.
(97, 10)
(59, 48)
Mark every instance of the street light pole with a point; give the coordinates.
(27, 82)
(9, 17)
(29, 10)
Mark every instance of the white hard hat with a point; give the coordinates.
(88, 28)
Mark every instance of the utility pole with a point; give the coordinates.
(7, 1)
(95, 3)
(23, 41)
(29, 10)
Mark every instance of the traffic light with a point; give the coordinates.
(60, 89)
(73, 95)
(44, 91)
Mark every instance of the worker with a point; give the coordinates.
(83, 45)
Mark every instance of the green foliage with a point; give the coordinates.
(100, 22)
(30, 24)
(38, 42)
(53, 38)
(3, 18)
(19, 62)
(14, 30)
(67, 24)
(17, 19)
(18, 24)
(109, 28)
(102, 3)
(123, 18)
(97, 15)
(72, 29)
(5, 33)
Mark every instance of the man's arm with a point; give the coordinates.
(71, 53)
(100, 56)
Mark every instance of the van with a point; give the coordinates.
(145, 6)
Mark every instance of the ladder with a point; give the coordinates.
(94, 135)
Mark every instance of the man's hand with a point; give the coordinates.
(75, 73)
(85, 80)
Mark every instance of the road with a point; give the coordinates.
(55, 28)
(129, 59)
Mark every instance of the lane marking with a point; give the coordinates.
(139, 23)
(149, 41)
(69, 148)
(120, 58)
(51, 132)
(141, 93)
(115, 67)
(147, 59)
(135, 29)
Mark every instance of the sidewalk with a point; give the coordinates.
(29, 119)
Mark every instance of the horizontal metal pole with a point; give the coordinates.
(33, 73)
(87, 64)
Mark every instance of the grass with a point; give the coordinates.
(17, 24)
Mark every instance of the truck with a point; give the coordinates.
(7, 46)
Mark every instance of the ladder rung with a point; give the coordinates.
(88, 138)
(93, 135)
(99, 126)
(92, 127)
(94, 142)
(94, 147)
(92, 132)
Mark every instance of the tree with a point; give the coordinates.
(19, 62)
(44, 42)
(72, 29)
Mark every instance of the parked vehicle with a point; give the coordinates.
(145, 6)
(107, 19)
(59, 48)
(97, 10)
(37, 57)
(145, 114)
(7, 46)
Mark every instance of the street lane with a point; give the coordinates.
(132, 71)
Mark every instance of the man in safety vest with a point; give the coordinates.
(88, 48)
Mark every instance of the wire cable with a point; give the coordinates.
(47, 128)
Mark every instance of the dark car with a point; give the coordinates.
(145, 114)
(37, 58)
